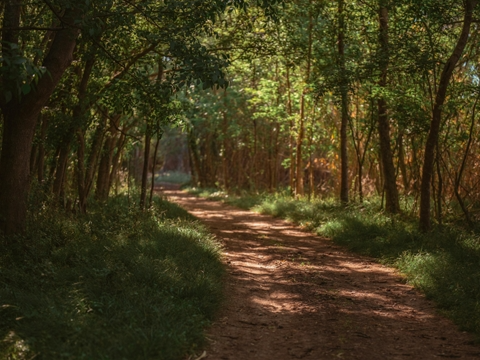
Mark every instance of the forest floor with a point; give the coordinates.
(294, 295)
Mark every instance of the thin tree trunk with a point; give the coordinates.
(41, 149)
(60, 171)
(291, 139)
(432, 139)
(458, 177)
(146, 161)
(344, 98)
(299, 188)
(440, 187)
(95, 153)
(152, 185)
(80, 170)
(401, 161)
(392, 204)
(104, 176)
(116, 161)
(196, 159)
(225, 143)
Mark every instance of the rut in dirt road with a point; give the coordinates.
(293, 295)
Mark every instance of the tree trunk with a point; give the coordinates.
(299, 188)
(291, 139)
(146, 161)
(80, 170)
(60, 171)
(41, 149)
(192, 145)
(94, 155)
(392, 204)
(103, 177)
(344, 98)
(152, 185)
(20, 117)
(116, 161)
(225, 143)
(403, 168)
(458, 176)
(432, 139)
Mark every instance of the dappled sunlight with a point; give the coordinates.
(18, 347)
(297, 295)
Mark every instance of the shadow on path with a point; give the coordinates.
(294, 295)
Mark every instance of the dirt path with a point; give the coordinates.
(293, 295)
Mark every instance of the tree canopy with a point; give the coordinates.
(346, 98)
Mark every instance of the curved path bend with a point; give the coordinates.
(294, 295)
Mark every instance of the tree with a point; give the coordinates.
(440, 96)
(392, 203)
(21, 105)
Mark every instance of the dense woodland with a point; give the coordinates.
(325, 98)
(357, 119)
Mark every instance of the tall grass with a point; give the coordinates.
(117, 283)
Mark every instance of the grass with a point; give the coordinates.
(173, 177)
(444, 264)
(117, 283)
(244, 201)
(213, 194)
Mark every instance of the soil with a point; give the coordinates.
(294, 295)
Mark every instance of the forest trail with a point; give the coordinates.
(294, 295)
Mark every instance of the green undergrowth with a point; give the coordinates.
(444, 264)
(117, 283)
(173, 177)
(243, 200)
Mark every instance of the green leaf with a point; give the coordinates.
(26, 88)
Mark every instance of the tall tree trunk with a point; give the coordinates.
(440, 187)
(20, 117)
(152, 185)
(458, 176)
(116, 161)
(146, 161)
(103, 176)
(225, 143)
(344, 99)
(95, 152)
(299, 188)
(41, 149)
(78, 112)
(192, 145)
(401, 161)
(432, 139)
(392, 204)
(291, 138)
(80, 171)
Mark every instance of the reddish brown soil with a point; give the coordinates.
(294, 295)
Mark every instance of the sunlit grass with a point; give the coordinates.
(115, 284)
(173, 177)
(213, 194)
